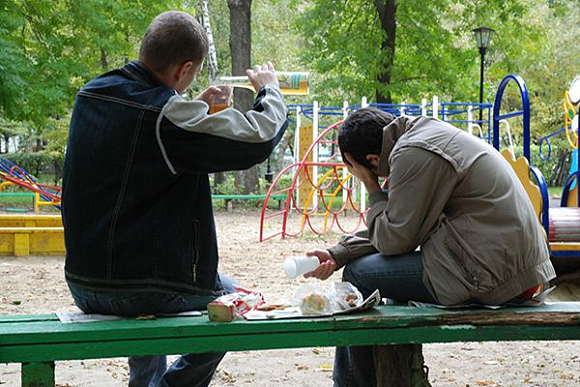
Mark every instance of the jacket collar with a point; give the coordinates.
(391, 133)
(139, 72)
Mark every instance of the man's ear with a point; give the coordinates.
(182, 70)
(373, 159)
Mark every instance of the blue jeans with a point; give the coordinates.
(151, 371)
(399, 278)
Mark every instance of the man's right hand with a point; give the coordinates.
(327, 265)
(263, 75)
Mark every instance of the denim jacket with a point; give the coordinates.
(136, 196)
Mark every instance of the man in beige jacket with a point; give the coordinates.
(454, 227)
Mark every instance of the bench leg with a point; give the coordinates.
(400, 366)
(37, 374)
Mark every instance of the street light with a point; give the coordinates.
(482, 38)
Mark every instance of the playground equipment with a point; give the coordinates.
(335, 194)
(561, 224)
(318, 203)
(570, 103)
(12, 174)
(320, 193)
(22, 235)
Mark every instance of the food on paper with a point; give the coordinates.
(351, 299)
(314, 303)
(269, 307)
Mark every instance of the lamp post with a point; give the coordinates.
(269, 176)
(482, 38)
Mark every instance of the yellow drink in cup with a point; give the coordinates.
(220, 101)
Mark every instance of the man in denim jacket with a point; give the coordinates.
(137, 211)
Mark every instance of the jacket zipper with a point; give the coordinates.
(195, 250)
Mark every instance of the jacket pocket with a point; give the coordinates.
(463, 261)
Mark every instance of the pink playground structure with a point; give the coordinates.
(317, 201)
(319, 190)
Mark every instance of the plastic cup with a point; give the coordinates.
(295, 266)
(220, 101)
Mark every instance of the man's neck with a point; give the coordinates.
(164, 78)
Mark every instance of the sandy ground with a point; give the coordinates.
(36, 285)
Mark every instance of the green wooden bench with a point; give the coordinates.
(38, 341)
(229, 198)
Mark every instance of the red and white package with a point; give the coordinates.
(233, 306)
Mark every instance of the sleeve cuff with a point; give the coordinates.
(340, 254)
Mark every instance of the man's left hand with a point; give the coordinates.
(368, 177)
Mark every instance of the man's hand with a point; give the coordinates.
(263, 75)
(213, 91)
(327, 265)
(368, 177)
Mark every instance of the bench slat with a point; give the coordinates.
(277, 340)
(48, 339)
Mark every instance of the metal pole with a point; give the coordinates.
(482, 52)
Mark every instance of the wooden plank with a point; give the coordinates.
(46, 338)
(186, 343)
(27, 318)
(51, 330)
(25, 220)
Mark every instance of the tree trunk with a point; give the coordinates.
(212, 67)
(212, 64)
(240, 48)
(387, 10)
(400, 366)
(104, 63)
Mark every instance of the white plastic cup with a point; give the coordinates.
(295, 266)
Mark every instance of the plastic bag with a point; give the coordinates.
(314, 300)
(345, 295)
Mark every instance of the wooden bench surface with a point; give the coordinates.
(44, 338)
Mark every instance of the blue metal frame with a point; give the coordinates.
(525, 112)
(545, 199)
(410, 109)
(546, 139)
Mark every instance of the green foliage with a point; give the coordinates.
(228, 187)
(435, 53)
(48, 49)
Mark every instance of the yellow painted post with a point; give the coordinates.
(21, 244)
(36, 200)
(304, 142)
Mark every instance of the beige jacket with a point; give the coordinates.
(458, 199)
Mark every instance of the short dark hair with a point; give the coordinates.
(361, 134)
(172, 38)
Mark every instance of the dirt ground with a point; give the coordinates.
(36, 285)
